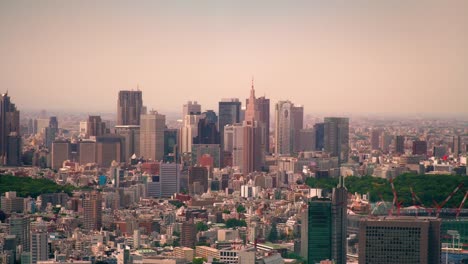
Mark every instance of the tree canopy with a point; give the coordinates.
(26, 186)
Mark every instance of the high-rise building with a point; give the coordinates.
(319, 136)
(51, 132)
(86, 152)
(289, 121)
(336, 140)
(375, 138)
(263, 108)
(19, 226)
(385, 141)
(188, 234)
(95, 127)
(307, 139)
(229, 113)
(108, 149)
(129, 107)
(171, 142)
(10, 203)
(456, 145)
(92, 211)
(191, 108)
(200, 150)
(131, 135)
(10, 137)
(39, 247)
(61, 151)
(419, 147)
(400, 144)
(234, 143)
(400, 240)
(188, 132)
(324, 227)
(169, 178)
(252, 153)
(152, 136)
(207, 129)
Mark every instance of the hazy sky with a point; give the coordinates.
(330, 56)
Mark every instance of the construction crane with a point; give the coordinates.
(415, 199)
(395, 199)
(461, 205)
(440, 206)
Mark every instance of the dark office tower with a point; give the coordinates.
(191, 108)
(229, 113)
(61, 151)
(408, 240)
(263, 108)
(319, 136)
(297, 113)
(456, 146)
(188, 234)
(324, 228)
(95, 127)
(10, 135)
(129, 108)
(171, 145)
(92, 211)
(131, 135)
(336, 137)
(253, 155)
(307, 139)
(375, 138)
(419, 147)
(198, 180)
(207, 129)
(400, 144)
(19, 226)
(39, 247)
(108, 149)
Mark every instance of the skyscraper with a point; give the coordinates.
(92, 211)
(207, 129)
(39, 247)
(324, 227)
(95, 127)
(152, 135)
(408, 240)
(10, 137)
(188, 234)
(263, 108)
(400, 144)
(252, 153)
(456, 145)
(131, 135)
(171, 142)
(169, 179)
(191, 108)
(375, 138)
(198, 180)
(229, 113)
(289, 122)
(19, 226)
(319, 136)
(188, 132)
(336, 140)
(61, 151)
(234, 143)
(419, 147)
(129, 107)
(108, 149)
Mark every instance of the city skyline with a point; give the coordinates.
(326, 56)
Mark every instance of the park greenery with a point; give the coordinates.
(26, 186)
(232, 222)
(429, 188)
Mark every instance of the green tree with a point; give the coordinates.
(240, 208)
(232, 222)
(201, 226)
(198, 260)
(273, 236)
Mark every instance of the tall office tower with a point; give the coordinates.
(234, 143)
(152, 136)
(20, 227)
(307, 139)
(419, 147)
(408, 240)
(188, 132)
(92, 211)
(61, 151)
(39, 247)
(263, 108)
(95, 127)
(202, 150)
(31, 126)
(188, 234)
(108, 149)
(86, 152)
(253, 155)
(41, 124)
(129, 106)
(324, 228)
(319, 136)
(170, 178)
(191, 108)
(207, 129)
(289, 121)
(171, 141)
(198, 180)
(10, 136)
(375, 138)
(385, 141)
(337, 137)
(229, 113)
(456, 146)
(10, 203)
(131, 135)
(400, 144)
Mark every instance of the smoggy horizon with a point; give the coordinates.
(395, 57)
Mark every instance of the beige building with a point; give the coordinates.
(205, 252)
(152, 135)
(60, 152)
(184, 252)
